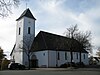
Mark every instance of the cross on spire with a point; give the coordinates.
(26, 5)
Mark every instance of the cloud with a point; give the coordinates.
(86, 16)
(57, 17)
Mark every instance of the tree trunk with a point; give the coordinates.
(80, 59)
(56, 58)
(71, 57)
(29, 62)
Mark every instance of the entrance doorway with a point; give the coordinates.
(34, 61)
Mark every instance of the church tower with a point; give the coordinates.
(25, 34)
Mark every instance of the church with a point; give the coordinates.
(46, 49)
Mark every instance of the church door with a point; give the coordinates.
(34, 63)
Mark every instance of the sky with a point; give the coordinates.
(53, 16)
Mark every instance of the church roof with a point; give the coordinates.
(49, 41)
(12, 50)
(26, 13)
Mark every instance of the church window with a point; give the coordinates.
(28, 30)
(43, 54)
(19, 30)
(58, 56)
(65, 55)
(84, 56)
(72, 55)
(77, 55)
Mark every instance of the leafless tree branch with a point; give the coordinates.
(6, 6)
(83, 37)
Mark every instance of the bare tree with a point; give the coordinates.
(2, 56)
(26, 46)
(6, 6)
(71, 31)
(70, 34)
(83, 38)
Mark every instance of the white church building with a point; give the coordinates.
(46, 49)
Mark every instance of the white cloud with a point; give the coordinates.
(57, 19)
(50, 5)
(62, 18)
(7, 32)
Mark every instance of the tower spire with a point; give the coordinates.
(26, 5)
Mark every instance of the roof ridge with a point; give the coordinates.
(54, 34)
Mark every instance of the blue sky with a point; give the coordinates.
(54, 16)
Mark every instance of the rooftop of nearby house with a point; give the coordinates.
(97, 58)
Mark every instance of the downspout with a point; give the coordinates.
(48, 58)
(56, 59)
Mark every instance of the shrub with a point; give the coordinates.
(80, 64)
(68, 64)
(4, 64)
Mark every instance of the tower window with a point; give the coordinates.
(28, 30)
(19, 30)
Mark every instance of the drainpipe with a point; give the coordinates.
(48, 58)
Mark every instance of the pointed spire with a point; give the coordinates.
(26, 13)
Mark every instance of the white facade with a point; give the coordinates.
(42, 57)
(49, 58)
(25, 33)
